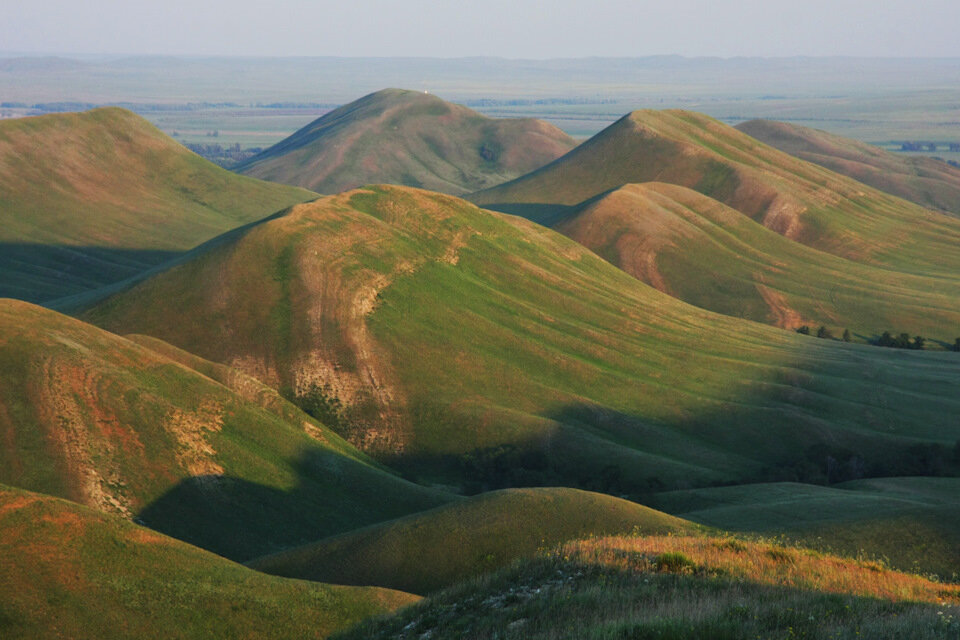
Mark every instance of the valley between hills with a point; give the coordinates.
(415, 372)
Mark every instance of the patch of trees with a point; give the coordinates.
(902, 341)
(224, 155)
(825, 465)
(506, 466)
(824, 333)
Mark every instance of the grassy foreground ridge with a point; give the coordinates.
(682, 587)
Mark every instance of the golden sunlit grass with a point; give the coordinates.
(760, 563)
(683, 587)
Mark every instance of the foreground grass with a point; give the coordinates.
(682, 587)
(69, 572)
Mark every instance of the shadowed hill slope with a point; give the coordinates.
(91, 198)
(483, 349)
(797, 199)
(705, 253)
(95, 418)
(71, 572)
(410, 138)
(428, 551)
(928, 182)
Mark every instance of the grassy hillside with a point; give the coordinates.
(91, 198)
(926, 181)
(682, 587)
(797, 199)
(705, 253)
(71, 572)
(98, 419)
(428, 551)
(411, 138)
(914, 522)
(471, 347)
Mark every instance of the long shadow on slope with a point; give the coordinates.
(39, 273)
(239, 519)
(798, 429)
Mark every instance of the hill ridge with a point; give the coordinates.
(95, 197)
(408, 137)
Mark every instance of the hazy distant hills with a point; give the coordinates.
(799, 200)
(484, 350)
(91, 198)
(409, 138)
(926, 181)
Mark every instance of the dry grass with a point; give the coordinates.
(673, 588)
(763, 563)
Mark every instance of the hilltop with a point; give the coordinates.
(465, 346)
(928, 182)
(410, 138)
(708, 254)
(88, 199)
(427, 551)
(799, 200)
(71, 572)
(105, 422)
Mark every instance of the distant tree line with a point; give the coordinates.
(825, 464)
(492, 102)
(825, 333)
(886, 339)
(294, 105)
(929, 146)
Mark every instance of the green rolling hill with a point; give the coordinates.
(799, 200)
(928, 182)
(427, 551)
(100, 420)
(913, 522)
(72, 572)
(708, 254)
(88, 199)
(411, 138)
(475, 348)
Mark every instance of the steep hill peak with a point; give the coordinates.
(408, 137)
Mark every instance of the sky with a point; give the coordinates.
(503, 28)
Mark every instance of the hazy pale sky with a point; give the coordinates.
(505, 28)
